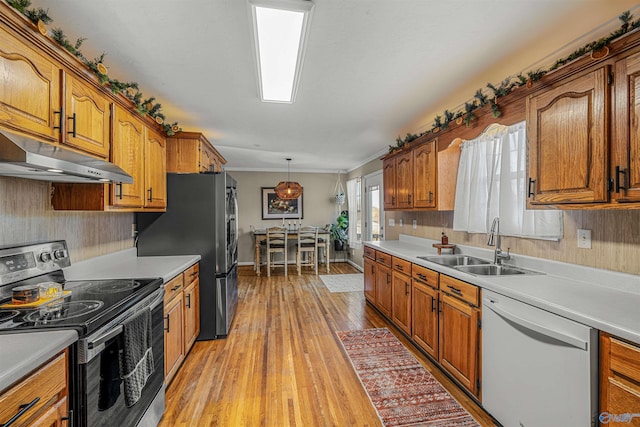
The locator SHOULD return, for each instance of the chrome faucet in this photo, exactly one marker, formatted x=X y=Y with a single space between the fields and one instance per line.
x=495 y=240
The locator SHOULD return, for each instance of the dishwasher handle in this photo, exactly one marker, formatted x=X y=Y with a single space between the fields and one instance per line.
x=567 y=339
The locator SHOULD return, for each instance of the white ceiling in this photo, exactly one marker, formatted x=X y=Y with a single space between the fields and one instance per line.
x=371 y=67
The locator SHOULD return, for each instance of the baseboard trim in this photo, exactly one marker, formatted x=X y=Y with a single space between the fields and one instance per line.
x=356 y=266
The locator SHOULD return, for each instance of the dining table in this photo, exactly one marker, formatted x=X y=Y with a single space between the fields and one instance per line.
x=260 y=235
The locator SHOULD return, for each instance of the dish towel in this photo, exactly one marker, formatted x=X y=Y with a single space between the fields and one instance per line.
x=136 y=355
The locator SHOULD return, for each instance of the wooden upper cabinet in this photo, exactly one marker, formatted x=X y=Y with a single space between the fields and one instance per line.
x=424 y=174
x=567 y=131
x=389 y=182
x=128 y=143
x=29 y=90
x=87 y=115
x=155 y=167
x=625 y=167
x=191 y=152
x=404 y=180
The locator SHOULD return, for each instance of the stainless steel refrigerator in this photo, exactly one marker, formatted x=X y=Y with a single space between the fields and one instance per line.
x=201 y=219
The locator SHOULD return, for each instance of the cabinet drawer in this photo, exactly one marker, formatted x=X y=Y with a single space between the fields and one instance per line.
x=191 y=273
x=369 y=252
x=46 y=383
x=424 y=275
x=383 y=258
x=460 y=289
x=173 y=287
x=401 y=265
x=625 y=359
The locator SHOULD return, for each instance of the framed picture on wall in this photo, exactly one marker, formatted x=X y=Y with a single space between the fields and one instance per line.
x=274 y=207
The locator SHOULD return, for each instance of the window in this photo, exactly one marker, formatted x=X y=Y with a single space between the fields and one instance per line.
x=354 y=197
x=491 y=183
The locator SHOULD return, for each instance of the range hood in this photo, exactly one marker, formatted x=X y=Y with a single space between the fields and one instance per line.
x=23 y=157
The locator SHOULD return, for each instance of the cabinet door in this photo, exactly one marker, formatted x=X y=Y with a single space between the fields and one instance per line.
x=404 y=180
x=369 y=280
x=389 y=182
x=568 y=141
x=191 y=314
x=173 y=337
x=620 y=378
x=87 y=115
x=424 y=175
x=425 y=317
x=56 y=416
x=155 y=170
x=30 y=96
x=401 y=308
x=625 y=168
x=383 y=289
x=128 y=144
x=459 y=341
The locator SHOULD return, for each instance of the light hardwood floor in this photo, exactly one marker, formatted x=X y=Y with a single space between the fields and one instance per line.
x=282 y=364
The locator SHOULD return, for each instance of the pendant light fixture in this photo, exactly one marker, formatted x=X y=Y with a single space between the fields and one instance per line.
x=287 y=190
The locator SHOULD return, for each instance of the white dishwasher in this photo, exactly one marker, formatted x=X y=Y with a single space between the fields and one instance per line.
x=538 y=369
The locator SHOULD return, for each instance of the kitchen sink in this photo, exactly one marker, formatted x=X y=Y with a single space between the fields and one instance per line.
x=494 y=270
x=455 y=260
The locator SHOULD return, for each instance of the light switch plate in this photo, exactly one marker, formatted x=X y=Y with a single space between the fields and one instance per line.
x=584 y=239
x=401 y=223
x=415 y=224
x=392 y=222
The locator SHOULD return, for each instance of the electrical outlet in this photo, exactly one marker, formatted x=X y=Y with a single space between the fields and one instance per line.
x=134 y=232
x=415 y=224
x=584 y=239
x=392 y=222
x=401 y=223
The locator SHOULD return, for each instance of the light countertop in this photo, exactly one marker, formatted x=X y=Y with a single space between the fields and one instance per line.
x=127 y=265
x=605 y=300
x=24 y=352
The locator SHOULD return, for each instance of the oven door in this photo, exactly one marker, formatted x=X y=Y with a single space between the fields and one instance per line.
x=103 y=401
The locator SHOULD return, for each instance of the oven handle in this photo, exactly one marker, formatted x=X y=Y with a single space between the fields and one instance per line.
x=106 y=337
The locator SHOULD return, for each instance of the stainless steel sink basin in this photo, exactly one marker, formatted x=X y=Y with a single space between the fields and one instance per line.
x=494 y=270
x=455 y=260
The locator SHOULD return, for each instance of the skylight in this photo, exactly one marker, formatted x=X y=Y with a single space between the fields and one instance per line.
x=280 y=30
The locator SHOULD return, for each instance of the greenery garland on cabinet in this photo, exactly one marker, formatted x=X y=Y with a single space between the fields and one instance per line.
x=597 y=49
x=41 y=18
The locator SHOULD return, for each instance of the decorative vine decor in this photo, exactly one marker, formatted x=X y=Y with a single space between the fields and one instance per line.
x=597 y=49
x=41 y=18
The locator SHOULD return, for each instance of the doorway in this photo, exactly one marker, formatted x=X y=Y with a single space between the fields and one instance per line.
x=374 y=212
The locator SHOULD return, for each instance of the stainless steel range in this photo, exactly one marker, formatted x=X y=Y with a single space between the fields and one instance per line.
x=118 y=322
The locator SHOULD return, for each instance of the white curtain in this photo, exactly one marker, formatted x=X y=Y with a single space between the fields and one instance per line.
x=352 y=199
x=492 y=183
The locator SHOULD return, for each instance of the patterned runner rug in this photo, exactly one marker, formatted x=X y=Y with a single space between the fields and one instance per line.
x=403 y=392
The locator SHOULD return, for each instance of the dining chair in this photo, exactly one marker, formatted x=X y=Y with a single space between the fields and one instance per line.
x=322 y=246
x=276 y=243
x=258 y=259
x=307 y=244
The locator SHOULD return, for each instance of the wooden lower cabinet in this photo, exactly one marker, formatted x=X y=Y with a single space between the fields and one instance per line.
x=173 y=337
x=401 y=301
x=383 y=289
x=191 y=314
x=181 y=317
x=47 y=388
x=425 y=317
x=459 y=341
x=370 y=280
x=619 y=381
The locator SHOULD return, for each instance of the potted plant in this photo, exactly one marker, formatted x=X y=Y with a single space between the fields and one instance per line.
x=339 y=231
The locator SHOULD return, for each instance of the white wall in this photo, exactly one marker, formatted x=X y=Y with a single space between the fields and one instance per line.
x=317 y=203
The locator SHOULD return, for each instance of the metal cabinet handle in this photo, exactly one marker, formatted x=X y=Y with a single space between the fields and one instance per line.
x=189 y=301
x=406 y=289
x=454 y=290
x=73 y=131
x=175 y=288
x=623 y=172
x=530 y=193
x=22 y=410
x=119 y=193
x=60 y=115
x=68 y=418
x=430 y=196
x=409 y=199
x=433 y=305
x=399 y=267
x=388 y=279
x=150 y=190
x=167 y=318
x=422 y=276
